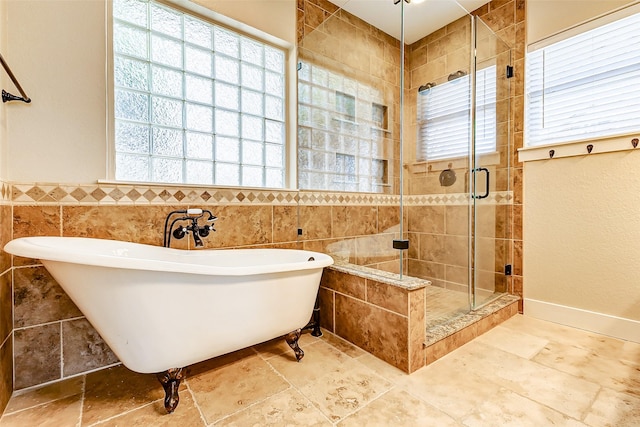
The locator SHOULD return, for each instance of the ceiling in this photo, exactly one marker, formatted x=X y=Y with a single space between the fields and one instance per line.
x=421 y=17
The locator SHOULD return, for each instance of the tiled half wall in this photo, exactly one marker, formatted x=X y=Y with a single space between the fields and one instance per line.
x=386 y=316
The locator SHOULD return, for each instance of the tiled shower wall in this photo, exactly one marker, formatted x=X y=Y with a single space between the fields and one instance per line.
x=52 y=338
x=438 y=231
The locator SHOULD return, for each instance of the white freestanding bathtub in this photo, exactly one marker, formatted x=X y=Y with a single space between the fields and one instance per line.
x=161 y=309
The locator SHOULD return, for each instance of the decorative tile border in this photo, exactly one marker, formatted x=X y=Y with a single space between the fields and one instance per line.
x=5 y=193
x=110 y=194
x=495 y=198
x=128 y=194
x=320 y=198
x=326 y=198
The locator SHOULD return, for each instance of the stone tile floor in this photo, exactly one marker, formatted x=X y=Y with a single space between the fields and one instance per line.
x=524 y=372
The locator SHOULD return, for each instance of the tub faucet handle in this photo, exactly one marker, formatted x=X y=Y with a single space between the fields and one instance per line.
x=180 y=232
x=204 y=230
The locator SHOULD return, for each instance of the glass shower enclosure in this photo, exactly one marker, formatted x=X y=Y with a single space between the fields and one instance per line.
x=405 y=130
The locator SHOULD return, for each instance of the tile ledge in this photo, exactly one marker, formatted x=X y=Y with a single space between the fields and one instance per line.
x=442 y=331
x=407 y=282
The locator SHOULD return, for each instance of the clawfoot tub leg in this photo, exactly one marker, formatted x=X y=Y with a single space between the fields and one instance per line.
x=170 y=380
x=292 y=339
x=314 y=323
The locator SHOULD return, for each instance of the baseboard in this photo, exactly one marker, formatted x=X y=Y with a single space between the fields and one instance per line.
x=605 y=324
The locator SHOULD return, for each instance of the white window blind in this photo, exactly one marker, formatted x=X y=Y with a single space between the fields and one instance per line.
x=586 y=86
x=194 y=102
x=444 y=119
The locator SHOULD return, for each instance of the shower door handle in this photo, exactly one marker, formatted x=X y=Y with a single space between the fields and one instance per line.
x=486 y=191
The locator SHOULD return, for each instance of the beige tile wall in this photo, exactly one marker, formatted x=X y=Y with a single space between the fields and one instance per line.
x=6 y=308
x=52 y=338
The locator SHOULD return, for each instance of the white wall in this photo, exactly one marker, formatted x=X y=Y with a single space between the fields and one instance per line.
x=581 y=223
x=275 y=17
x=582 y=232
x=545 y=17
x=58 y=51
x=3 y=122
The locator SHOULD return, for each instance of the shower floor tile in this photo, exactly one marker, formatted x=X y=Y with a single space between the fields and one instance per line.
x=524 y=372
x=444 y=305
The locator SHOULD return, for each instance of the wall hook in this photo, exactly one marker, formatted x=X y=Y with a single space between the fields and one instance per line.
x=634 y=142
x=551 y=153
x=589 y=148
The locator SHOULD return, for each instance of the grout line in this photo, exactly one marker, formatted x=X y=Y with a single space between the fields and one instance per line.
x=125 y=412
x=595 y=398
x=23 y=328
x=195 y=402
x=9 y=335
x=21 y=267
x=393 y=386
x=13 y=320
x=257 y=402
x=61 y=353
x=20 y=393
x=38 y=386
x=371 y=304
x=39 y=405
x=358 y=362
x=84 y=390
x=459 y=420
x=294 y=387
x=538 y=365
x=333 y=312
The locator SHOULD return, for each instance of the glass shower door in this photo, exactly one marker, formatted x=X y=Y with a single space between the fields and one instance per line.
x=490 y=169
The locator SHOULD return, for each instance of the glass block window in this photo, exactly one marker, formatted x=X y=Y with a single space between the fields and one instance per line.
x=346 y=105
x=341 y=142
x=194 y=102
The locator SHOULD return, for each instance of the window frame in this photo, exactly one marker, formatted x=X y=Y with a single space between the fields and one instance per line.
x=215 y=19
x=614 y=140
